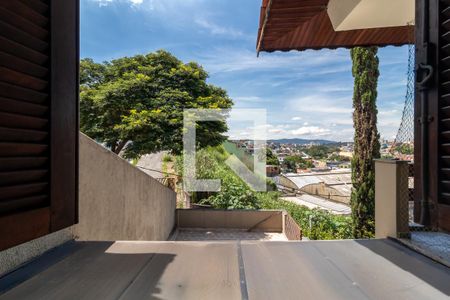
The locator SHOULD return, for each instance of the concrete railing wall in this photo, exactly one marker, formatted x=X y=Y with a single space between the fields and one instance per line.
x=117 y=201
x=255 y=220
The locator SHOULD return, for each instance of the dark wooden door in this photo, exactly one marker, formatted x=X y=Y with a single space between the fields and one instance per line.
x=433 y=49
x=38 y=118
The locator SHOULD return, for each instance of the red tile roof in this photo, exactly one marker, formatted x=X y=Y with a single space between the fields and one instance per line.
x=304 y=24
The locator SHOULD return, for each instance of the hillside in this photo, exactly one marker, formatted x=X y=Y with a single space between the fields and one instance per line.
x=302 y=141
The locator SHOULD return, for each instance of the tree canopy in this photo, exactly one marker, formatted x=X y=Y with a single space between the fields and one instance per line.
x=405 y=149
x=293 y=162
x=134 y=105
x=320 y=151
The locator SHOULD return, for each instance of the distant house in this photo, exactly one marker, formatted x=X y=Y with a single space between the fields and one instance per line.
x=348 y=154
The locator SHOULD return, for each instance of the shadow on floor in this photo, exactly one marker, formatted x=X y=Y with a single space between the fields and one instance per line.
x=433 y=273
x=87 y=271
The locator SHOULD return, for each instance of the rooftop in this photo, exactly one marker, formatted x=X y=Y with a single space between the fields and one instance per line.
x=318 y=202
x=333 y=178
x=361 y=269
x=300 y=25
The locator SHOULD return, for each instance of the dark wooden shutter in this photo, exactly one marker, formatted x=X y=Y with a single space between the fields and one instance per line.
x=438 y=105
x=38 y=118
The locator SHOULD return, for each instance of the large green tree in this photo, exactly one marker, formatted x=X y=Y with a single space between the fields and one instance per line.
x=291 y=163
x=134 y=105
x=367 y=146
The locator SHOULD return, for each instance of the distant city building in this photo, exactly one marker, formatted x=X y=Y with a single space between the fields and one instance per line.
x=348 y=154
x=333 y=185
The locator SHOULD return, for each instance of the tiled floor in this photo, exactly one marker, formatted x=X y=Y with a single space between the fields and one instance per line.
x=226 y=235
x=359 y=269
x=433 y=244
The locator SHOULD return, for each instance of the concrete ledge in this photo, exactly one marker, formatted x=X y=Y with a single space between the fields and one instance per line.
x=117 y=201
x=255 y=220
x=391 y=198
x=391 y=161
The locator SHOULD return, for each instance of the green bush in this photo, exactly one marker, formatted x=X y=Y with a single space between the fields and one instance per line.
x=234 y=193
x=167 y=158
x=316 y=224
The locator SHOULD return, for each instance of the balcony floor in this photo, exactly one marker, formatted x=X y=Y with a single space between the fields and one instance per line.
x=226 y=235
x=366 y=269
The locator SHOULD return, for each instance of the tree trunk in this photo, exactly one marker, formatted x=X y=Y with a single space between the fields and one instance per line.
x=119 y=147
x=367 y=145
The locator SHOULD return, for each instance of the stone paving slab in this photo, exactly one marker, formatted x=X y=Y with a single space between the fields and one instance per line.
x=433 y=244
x=226 y=235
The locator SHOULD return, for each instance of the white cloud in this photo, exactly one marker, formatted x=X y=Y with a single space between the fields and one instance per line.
x=170 y=6
x=250 y=99
x=216 y=29
x=338 y=121
x=296 y=119
x=229 y=59
x=277 y=131
x=102 y=3
x=310 y=130
x=281 y=131
x=391 y=112
x=322 y=103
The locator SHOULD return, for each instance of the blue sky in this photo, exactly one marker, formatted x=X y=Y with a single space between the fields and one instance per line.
x=307 y=94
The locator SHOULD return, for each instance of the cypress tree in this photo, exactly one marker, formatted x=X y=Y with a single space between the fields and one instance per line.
x=367 y=145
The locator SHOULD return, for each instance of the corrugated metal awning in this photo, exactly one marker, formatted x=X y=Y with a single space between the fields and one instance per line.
x=304 y=24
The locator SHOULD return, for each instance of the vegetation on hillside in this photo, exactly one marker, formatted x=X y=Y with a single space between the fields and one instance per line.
x=367 y=145
x=316 y=224
x=245 y=157
x=235 y=194
x=291 y=163
x=271 y=158
x=134 y=105
x=320 y=151
x=337 y=157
